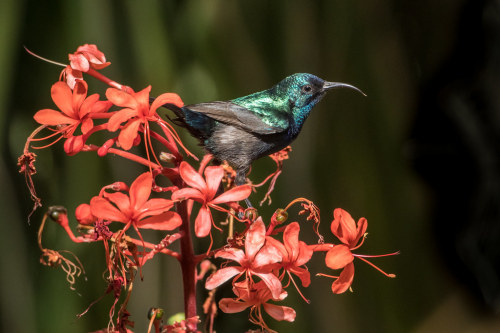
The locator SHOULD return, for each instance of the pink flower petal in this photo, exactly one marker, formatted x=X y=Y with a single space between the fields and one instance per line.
x=231 y=254
x=272 y=282
x=229 y=305
x=221 y=276
x=279 y=312
x=255 y=238
x=268 y=254
x=79 y=62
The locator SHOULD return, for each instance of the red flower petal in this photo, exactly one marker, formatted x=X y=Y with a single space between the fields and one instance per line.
x=154 y=207
x=235 y=194
x=87 y=125
x=102 y=208
x=345 y=280
x=128 y=134
x=121 y=200
x=74 y=144
x=87 y=105
x=120 y=117
x=213 y=177
x=121 y=98
x=192 y=178
x=84 y=215
x=291 y=240
x=53 y=118
x=165 y=221
x=343 y=226
x=62 y=97
x=305 y=254
x=167 y=98
x=303 y=274
x=338 y=257
x=203 y=222
x=140 y=190
x=188 y=193
x=79 y=94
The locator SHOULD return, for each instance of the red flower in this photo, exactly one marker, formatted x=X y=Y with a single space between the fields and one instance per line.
x=205 y=193
x=136 y=209
x=340 y=256
x=254 y=296
x=294 y=253
x=136 y=112
x=88 y=56
x=257 y=259
x=75 y=109
x=344 y=227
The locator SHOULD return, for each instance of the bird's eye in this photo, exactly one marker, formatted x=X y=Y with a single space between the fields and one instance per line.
x=307 y=88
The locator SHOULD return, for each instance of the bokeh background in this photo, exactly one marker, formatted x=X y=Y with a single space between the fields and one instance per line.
x=419 y=157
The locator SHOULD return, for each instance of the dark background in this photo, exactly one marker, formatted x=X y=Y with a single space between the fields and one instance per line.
x=419 y=157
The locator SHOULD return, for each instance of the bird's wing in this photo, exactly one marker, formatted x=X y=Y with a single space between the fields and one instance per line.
x=236 y=115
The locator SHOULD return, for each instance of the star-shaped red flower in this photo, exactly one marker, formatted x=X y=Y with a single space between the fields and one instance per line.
x=136 y=209
x=205 y=192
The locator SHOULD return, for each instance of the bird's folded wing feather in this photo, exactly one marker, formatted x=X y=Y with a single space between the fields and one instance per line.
x=236 y=115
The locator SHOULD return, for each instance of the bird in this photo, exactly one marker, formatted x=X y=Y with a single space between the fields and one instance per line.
x=247 y=128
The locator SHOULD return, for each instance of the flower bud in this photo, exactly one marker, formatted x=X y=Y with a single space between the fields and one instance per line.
x=84 y=215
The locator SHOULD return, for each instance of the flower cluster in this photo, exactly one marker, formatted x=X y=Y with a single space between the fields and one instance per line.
x=261 y=258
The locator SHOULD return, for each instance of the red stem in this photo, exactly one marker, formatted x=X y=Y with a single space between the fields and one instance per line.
x=187 y=260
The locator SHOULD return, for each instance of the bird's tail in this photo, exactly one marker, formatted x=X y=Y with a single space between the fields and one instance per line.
x=195 y=123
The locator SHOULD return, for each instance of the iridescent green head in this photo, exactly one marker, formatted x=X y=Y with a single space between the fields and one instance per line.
x=304 y=91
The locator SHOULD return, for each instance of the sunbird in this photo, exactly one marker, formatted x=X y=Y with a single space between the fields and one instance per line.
x=244 y=129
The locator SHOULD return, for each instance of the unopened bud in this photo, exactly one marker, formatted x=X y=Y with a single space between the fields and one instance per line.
x=54 y=212
x=281 y=215
x=157 y=312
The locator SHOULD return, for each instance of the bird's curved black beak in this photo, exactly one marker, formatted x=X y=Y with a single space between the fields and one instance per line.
x=333 y=85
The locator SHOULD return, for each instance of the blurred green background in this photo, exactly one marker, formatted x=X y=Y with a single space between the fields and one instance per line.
x=418 y=157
